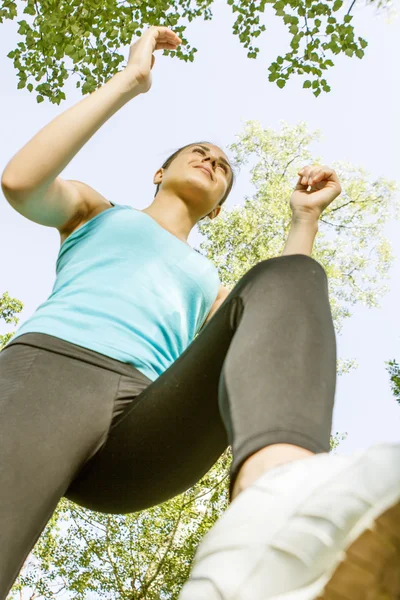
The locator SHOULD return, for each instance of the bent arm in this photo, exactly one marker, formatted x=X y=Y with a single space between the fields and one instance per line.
x=301 y=237
x=30 y=180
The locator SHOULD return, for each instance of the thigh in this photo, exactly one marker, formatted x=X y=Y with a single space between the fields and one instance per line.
x=171 y=434
x=231 y=385
x=54 y=414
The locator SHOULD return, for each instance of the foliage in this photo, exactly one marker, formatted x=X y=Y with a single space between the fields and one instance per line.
x=350 y=244
x=9 y=307
x=393 y=368
x=147 y=555
x=140 y=556
x=83 y=38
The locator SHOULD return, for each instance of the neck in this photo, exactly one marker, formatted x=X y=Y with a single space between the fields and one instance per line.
x=173 y=215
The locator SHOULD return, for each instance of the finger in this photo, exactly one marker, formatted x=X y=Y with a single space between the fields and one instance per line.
x=167 y=44
x=318 y=174
x=315 y=172
x=164 y=34
x=305 y=174
x=301 y=186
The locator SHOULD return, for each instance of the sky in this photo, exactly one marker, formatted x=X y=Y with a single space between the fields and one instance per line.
x=211 y=99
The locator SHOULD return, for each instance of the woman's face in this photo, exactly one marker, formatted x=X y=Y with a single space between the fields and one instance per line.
x=200 y=175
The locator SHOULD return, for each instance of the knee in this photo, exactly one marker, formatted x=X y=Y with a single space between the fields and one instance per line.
x=293 y=268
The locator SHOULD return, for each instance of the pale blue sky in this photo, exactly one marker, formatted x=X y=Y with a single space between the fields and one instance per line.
x=211 y=99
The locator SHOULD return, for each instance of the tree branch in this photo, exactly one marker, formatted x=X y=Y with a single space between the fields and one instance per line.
x=207 y=492
x=112 y=561
x=351 y=7
x=81 y=516
x=344 y=226
x=161 y=562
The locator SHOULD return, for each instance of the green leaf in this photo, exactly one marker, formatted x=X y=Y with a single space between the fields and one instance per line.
x=30 y=10
x=39 y=99
x=337 y=5
x=307 y=83
x=281 y=83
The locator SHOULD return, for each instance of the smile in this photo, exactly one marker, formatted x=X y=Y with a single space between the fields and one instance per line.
x=205 y=171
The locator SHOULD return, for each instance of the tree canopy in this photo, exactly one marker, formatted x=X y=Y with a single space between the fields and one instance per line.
x=9 y=308
x=393 y=368
x=82 y=39
x=350 y=243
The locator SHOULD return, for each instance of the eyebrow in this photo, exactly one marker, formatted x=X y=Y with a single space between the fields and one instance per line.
x=221 y=158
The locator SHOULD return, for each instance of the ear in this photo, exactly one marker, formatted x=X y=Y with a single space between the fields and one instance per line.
x=158 y=176
x=214 y=213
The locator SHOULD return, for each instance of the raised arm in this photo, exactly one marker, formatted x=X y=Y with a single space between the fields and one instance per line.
x=31 y=181
x=316 y=188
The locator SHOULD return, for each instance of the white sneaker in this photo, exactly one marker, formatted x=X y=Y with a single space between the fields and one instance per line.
x=324 y=527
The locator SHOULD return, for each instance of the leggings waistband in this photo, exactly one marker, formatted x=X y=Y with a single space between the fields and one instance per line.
x=60 y=346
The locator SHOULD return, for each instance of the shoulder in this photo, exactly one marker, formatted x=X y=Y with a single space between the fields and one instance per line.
x=223 y=292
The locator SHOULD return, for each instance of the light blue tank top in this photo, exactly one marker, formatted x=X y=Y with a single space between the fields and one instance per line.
x=129 y=289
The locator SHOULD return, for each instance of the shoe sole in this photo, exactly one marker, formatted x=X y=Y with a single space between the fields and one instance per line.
x=369 y=566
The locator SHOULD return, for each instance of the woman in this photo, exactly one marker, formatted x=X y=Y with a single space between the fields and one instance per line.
x=105 y=397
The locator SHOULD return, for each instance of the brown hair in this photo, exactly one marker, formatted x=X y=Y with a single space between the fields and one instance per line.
x=175 y=154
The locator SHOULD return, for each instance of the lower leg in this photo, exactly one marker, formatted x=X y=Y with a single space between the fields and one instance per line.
x=278 y=382
x=263 y=460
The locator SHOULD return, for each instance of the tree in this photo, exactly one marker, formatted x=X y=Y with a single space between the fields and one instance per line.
x=393 y=368
x=350 y=244
x=141 y=556
x=82 y=39
x=9 y=307
x=148 y=555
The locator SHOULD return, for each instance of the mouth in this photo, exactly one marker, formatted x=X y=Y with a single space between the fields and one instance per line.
x=205 y=171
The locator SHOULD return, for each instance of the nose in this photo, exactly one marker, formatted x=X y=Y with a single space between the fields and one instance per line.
x=212 y=160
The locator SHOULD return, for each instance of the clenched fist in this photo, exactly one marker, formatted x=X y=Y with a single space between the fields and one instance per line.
x=316 y=188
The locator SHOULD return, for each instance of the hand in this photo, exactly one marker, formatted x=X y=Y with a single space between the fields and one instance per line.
x=141 y=58
x=324 y=188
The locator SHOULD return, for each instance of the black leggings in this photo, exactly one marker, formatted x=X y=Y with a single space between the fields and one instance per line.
x=79 y=424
